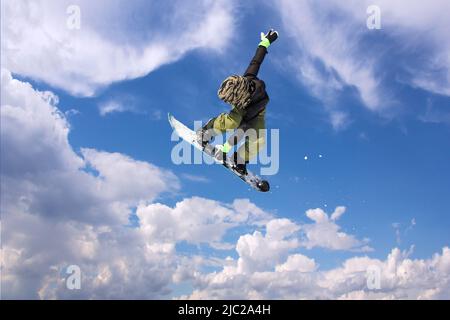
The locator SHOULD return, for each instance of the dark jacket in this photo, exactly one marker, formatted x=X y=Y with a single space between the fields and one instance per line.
x=259 y=99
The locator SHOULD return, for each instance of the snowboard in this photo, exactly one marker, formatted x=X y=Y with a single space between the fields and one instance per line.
x=190 y=136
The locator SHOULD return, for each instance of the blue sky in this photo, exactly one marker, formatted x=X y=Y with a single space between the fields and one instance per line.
x=386 y=160
x=397 y=167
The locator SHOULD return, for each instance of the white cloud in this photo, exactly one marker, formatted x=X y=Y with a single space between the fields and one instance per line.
x=121 y=177
x=299 y=278
x=434 y=114
x=112 y=106
x=248 y=212
x=401 y=231
x=258 y=252
x=325 y=56
x=325 y=233
x=115 y=262
x=422 y=25
x=331 y=50
x=317 y=215
x=115 y=42
x=339 y=120
x=59 y=208
x=196 y=220
x=195 y=178
x=338 y=212
x=42 y=171
x=33 y=114
x=127 y=103
x=297 y=263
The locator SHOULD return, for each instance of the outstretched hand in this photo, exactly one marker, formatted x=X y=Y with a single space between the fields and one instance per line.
x=268 y=38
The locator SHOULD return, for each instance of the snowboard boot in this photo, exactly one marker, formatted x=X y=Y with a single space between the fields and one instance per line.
x=241 y=168
x=205 y=134
x=239 y=164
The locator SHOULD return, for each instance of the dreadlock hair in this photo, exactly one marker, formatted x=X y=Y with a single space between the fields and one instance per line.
x=237 y=91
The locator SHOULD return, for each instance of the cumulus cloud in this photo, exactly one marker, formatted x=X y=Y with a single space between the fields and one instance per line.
x=61 y=208
x=42 y=172
x=69 y=208
x=258 y=252
x=195 y=220
x=297 y=263
x=121 y=177
x=116 y=261
x=299 y=278
x=36 y=39
x=113 y=260
x=326 y=233
x=268 y=268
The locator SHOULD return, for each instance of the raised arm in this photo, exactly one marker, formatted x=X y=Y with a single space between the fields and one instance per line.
x=255 y=64
x=261 y=51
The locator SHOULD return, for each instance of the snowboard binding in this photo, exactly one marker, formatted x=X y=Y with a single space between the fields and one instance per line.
x=231 y=163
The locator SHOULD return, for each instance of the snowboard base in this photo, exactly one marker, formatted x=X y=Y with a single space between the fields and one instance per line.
x=190 y=136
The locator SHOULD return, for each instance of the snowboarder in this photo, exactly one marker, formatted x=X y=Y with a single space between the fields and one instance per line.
x=248 y=98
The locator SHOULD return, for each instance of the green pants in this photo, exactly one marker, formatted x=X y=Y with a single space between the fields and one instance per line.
x=254 y=139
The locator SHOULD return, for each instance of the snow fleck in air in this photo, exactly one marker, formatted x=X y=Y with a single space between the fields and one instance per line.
x=320 y=156
x=306 y=158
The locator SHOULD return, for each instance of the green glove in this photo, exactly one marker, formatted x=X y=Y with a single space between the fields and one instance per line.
x=268 y=38
x=225 y=148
